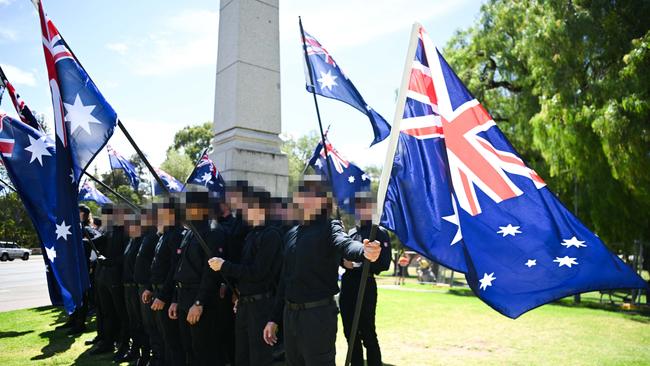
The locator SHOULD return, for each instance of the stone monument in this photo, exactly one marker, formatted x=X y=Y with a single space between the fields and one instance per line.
x=247 y=98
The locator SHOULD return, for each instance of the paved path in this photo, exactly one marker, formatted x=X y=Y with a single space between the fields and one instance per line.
x=23 y=284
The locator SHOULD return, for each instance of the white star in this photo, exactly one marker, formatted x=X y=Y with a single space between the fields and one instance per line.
x=365 y=177
x=51 y=254
x=206 y=177
x=318 y=163
x=454 y=220
x=38 y=148
x=62 y=231
x=88 y=195
x=565 y=261
x=351 y=179
x=486 y=280
x=509 y=230
x=327 y=80
x=530 y=263
x=573 y=242
x=79 y=115
x=172 y=185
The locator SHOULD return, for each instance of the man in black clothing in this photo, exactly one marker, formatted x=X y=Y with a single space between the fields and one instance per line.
x=256 y=278
x=142 y=276
x=309 y=280
x=194 y=303
x=139 y=342
x=350 y=286
x=162 y=278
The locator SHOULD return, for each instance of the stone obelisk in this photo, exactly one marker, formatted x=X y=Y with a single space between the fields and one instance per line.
x=247 y=99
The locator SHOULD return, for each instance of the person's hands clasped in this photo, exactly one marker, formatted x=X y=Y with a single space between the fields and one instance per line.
x=371 y=250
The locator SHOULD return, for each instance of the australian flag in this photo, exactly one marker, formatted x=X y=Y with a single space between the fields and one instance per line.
x=30 y=160
x=89 y=192
x=460 y=193
x=84 y=121
x=172 y=184
x=206 y=174
x=329 y=81
x=347 y=180
x=119 y=162
x=22 y=109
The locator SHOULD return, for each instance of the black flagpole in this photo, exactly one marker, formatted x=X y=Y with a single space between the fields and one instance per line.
x=131 y=204
x=8 y=185
x=320 y=123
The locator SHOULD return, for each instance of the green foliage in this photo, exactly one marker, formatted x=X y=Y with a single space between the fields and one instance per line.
x=298 y=151
x=15 y=225
x=567 y=83
x=178 y=164
x=191 y=140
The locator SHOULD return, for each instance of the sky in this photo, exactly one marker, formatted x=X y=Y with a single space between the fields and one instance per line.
x=155 y=61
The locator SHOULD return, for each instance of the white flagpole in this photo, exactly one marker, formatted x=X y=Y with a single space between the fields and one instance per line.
x=395 y=128
x=383 y=182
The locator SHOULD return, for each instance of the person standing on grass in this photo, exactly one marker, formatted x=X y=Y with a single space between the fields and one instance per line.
x=402 y=268
x=305 y=301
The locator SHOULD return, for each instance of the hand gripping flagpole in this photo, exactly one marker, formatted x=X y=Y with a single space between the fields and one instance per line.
x=320 y=123
x=383 y=183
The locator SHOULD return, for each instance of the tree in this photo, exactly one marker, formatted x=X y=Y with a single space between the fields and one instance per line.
x=298 y=151
x=15 y=224
x=177 y=164
x=192 y=140
x=567 y=83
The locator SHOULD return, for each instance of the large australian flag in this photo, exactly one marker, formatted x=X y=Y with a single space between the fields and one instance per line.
x=347 y=179
x=84 y=121
x=459 y=192
x=29 y=157
x=205 y=174
x=329 y=81
x=118 y=161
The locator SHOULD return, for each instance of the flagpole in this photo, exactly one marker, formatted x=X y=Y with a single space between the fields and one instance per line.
x=383 y=183
x=131 y=204
x=8 y=185
x=320 y=123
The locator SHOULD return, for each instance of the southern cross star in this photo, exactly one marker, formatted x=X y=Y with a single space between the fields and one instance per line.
x=327 y=80
x=38 y=148
x=453 y=218
x=565 y=261
x=351 y=179
x=573 y=242
x=509 y=230
x=62 y=231
x=486 y=280
x=51 y=254
x=530 y=263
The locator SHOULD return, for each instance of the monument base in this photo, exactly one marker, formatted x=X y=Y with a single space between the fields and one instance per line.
x=253 y=156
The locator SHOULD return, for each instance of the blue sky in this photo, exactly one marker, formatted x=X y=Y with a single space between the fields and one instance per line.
x=155 y=61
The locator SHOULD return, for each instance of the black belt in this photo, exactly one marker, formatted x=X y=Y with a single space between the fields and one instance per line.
x=157 y=287
x=310 y=305
x=252 y=298
x=130 y=284
x=189 y=286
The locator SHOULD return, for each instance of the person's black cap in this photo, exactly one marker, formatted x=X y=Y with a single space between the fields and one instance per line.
x=85 y=209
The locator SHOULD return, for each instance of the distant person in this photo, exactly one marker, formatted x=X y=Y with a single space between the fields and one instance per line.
x=402 y=268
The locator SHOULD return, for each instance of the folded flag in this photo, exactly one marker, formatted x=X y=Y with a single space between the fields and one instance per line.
x=457 y=186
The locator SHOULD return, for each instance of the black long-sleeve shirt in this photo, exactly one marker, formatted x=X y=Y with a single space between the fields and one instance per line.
x=383 y=262
x=110 y=268
x=164 y=263
x=193 y=269
x=261 y=261
x=144 y=258
x=130 y=253
x=312 y=256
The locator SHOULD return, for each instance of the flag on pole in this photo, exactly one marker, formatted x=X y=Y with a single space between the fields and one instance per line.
x=89 y=192
x=118 y=161
x=347 y=180
x=331 y=82
x=22 y=109
x=172 y=184
x=206 y=174
x=458 y=186
x=84 y=121
x=29 y=159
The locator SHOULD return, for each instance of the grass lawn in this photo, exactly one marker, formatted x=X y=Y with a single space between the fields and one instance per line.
x=415 y=328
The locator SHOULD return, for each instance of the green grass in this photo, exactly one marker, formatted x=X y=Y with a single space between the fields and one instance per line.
x=415 y=328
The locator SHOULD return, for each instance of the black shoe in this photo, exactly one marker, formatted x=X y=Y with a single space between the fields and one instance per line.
x=77 y=329
x=101 y=348
x=95 y=340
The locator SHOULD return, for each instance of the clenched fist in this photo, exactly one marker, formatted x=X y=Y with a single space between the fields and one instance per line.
x=371 y=250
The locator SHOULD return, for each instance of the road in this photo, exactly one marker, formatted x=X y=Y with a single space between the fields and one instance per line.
x=23 y=284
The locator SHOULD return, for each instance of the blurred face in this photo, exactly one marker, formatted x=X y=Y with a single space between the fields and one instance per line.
x=254 y=215
x=107 y=219
x=118 y=218
x=147 y=219
x=234 y=200
x=364 y=210
x=224 y=209
x=134 y=229
x=166 y=217
x=310 y=204
x=196 y=213
x=83 y=217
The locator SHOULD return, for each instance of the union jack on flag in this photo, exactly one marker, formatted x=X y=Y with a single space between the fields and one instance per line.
x=21 y=107
x=206 y=174
x=6 y=144
x=460 y=194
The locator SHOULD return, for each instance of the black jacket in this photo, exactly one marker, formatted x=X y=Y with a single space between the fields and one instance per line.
x=144 y=258
x=383 y=262
x=164 y=263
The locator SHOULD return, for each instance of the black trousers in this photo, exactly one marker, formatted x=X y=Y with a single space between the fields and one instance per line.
x=225 y=329
x=136 y=328
x=251 y=350
x=151 y=330
x=197 y=339
x=115 y=322
x=310 y=336
x=171 y=337
x=366 y=332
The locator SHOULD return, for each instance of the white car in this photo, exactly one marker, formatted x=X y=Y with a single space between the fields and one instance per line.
x=10 y=251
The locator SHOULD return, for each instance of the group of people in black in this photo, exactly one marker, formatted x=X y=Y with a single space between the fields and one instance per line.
x=243 y=279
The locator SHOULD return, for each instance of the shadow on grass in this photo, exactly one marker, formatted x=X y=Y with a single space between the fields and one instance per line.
x=58 y=342
x=13 y=334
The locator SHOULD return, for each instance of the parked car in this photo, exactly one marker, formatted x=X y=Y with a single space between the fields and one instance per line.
x=10 y=251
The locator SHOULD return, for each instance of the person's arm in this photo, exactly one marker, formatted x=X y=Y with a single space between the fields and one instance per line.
x=263 y=263
x=350 y=249
x=279 y=300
